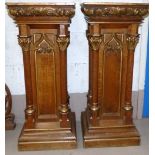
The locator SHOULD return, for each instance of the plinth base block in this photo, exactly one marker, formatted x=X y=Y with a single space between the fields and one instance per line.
x=45 y=139
x=112 y=136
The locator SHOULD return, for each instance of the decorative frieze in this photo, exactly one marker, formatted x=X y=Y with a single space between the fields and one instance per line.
x=112 y=10
x=20 y=11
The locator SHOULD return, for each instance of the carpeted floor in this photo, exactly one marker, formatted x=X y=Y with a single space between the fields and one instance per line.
x=143 y=149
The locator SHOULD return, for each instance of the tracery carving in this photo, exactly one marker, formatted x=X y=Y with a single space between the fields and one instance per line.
x=43 y=44
x=113 y=45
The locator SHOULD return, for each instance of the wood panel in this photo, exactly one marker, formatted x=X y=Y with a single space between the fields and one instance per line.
x=112 y=73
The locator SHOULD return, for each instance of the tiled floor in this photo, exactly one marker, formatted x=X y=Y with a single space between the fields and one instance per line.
x=143 y=149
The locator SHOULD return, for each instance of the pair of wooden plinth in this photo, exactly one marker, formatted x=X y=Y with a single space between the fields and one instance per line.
x=43 y=36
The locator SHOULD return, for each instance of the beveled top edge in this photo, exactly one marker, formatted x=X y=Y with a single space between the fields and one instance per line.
x=114 y=3
x=39 y=3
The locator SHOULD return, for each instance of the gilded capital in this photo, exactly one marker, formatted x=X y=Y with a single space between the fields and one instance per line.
x=24 y=42
x=94 y=42
x=132 y=41
x=63 y=42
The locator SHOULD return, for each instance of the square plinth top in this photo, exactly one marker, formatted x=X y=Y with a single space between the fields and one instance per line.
x=41 y=11
x=113 y=11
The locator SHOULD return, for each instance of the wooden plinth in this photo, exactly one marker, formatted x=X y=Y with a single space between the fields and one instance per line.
x=49 y=138
x=108 y=136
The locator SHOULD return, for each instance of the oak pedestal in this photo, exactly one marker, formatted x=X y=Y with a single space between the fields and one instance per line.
x=112 y=35
x=44 y=37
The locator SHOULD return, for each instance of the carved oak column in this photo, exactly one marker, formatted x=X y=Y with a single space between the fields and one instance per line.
x=24 y=40
x=63 y=41
x=44 y=37
x=112 y=35
x=132 y=40
x=94 y=39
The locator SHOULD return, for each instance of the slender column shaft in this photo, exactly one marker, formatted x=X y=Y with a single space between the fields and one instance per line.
x=24 y=40
x=94 y=41
x=63 y=40
x=132 y=40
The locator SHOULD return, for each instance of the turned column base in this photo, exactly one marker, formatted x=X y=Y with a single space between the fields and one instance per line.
x=48 y=138
x=108 y=136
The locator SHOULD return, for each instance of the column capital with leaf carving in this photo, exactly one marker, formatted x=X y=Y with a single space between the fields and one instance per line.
x=132 y=41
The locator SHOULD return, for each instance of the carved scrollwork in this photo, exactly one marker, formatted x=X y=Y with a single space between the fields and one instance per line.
x=63 y=42
x=114 y=11
x=94 y=42
x=24 y=42
x=41 y=11
x=132 y=41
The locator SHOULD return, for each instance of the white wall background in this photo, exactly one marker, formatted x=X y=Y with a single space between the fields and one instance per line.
x=77 y=52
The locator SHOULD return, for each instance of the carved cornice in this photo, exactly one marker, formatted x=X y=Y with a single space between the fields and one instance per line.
x=132 y=41
x=114 y=10
x=63 y=42
x=94 y=42
x=24 y=42
x=17 y=11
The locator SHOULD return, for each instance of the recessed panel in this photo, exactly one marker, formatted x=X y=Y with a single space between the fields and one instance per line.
x=44 y=55
x=111 y=74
